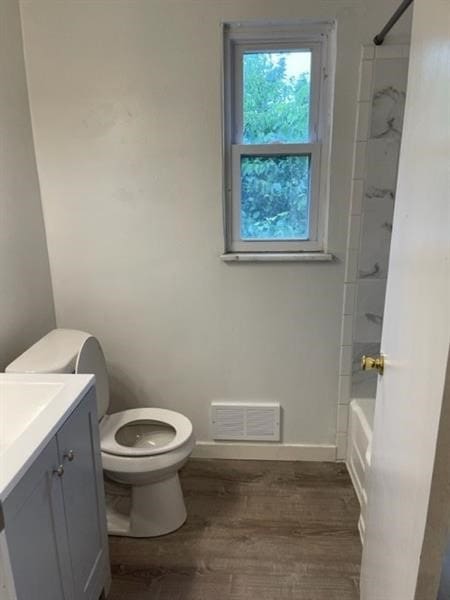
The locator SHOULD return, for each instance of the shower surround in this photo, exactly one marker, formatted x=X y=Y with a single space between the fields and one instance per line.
x=381 y=100
x=385 y=122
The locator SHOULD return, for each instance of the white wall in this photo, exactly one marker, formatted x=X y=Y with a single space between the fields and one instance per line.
x=26 y=303
x=126 y=113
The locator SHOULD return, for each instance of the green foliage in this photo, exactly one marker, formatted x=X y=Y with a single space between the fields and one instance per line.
x=274 y=197
x=276 y=107
x=274 y=202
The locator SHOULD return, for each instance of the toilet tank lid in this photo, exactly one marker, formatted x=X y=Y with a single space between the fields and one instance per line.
x=54 y=353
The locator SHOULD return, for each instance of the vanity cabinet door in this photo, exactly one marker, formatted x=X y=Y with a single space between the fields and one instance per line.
x=84 y=502
x=36 y=533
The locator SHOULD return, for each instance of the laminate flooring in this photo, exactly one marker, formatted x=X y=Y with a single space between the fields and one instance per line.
x=256 y=530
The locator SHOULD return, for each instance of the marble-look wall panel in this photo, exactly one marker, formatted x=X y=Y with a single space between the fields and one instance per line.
x=376 y=233
x=369 y=310
x=380 y=179
x=389 y=92
x=381 y=165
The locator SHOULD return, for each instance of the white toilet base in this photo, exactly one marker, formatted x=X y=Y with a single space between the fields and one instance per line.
x=154 y=509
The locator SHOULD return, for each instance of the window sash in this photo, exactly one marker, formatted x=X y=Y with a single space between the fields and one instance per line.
x=239 y=49
x=313 y=242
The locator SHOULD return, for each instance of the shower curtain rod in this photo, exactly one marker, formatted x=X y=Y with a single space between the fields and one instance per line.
x=379 y=39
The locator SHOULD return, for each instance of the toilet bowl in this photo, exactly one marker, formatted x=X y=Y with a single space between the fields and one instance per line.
x=142 y=448
x=145 y=448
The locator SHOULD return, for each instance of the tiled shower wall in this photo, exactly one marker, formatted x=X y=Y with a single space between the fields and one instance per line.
x=386 y=104
x=382 y=91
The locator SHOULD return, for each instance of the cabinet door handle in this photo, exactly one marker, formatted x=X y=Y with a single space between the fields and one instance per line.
x=59 y=471
x=69 y=455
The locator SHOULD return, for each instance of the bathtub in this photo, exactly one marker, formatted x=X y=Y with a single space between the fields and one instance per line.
x=358 y=451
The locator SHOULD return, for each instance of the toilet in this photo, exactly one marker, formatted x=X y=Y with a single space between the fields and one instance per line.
x=143 y=448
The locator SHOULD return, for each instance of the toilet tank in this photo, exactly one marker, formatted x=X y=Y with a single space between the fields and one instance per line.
x=56 y=352
x=67 y=351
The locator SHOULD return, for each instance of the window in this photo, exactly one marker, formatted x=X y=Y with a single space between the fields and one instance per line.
x=276 y=135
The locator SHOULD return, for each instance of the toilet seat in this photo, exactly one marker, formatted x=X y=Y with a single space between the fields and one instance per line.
x=110 y=425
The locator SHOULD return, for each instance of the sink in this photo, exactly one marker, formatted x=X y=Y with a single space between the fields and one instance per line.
x=20 y=403
x=32 y=408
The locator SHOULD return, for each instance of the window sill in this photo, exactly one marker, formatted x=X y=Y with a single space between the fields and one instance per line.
x=277 y=257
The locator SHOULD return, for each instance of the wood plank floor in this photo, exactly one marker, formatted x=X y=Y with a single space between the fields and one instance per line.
x=256 y=530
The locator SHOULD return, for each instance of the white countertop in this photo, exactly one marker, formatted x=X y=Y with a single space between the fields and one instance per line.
x=32 y=409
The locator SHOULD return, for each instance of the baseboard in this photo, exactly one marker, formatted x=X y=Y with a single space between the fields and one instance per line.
x=231 y=450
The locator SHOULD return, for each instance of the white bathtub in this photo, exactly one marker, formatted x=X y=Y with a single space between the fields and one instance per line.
x=358 y=450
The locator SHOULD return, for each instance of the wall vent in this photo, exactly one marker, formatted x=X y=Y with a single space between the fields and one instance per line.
x=257 y=421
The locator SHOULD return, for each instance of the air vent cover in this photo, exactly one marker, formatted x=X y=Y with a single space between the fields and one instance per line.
x=245 y=421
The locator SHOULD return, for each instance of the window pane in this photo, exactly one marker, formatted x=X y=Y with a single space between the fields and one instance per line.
x=276 y=96
x=275 y=197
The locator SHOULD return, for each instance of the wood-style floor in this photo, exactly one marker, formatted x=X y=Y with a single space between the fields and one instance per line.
x=256 y=530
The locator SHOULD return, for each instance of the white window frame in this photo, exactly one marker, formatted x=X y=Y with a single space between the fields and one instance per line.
x=242 y=38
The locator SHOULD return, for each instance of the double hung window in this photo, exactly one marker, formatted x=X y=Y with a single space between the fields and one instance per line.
x=276 y=137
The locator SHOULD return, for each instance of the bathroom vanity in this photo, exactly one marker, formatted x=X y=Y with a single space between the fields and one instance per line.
x=53 y=541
